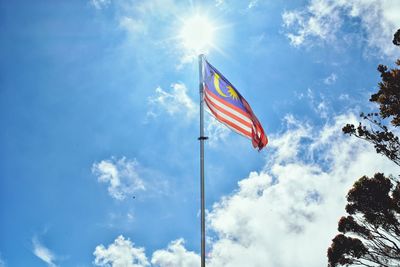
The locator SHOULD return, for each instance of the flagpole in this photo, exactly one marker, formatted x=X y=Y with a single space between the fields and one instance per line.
x=202 y=138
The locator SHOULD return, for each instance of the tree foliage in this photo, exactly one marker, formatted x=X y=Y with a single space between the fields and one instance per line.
x=396 y=38
x=370 y=233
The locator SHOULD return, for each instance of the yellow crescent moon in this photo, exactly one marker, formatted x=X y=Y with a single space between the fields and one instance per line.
x=216 y=85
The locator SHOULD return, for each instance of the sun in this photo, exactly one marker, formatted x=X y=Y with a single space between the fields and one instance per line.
x=197 y=34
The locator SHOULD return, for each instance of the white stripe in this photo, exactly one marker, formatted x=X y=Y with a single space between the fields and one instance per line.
x=230 y=119
x=227 y=125
x=216 y=102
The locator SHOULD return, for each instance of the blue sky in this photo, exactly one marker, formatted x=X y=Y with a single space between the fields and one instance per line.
x=99 y=103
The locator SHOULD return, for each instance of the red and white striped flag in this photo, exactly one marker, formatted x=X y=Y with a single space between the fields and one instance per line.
x=228 y=106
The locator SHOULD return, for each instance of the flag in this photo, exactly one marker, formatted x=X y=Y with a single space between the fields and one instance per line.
x=228 y=106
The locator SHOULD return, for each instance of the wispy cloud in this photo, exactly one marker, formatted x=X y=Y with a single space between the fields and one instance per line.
x=122 y=221
x=331 y=79
x=121 y=175
x=178 y=102
x=215 y=131
x=175 y=101
x=252 y=3
x=320 y=19
x=323 y=20
x=258 y=44
x=133 y=26
x=43 y=253
x=2 y=262
x=318 y=104
x=344 y=97
x=237 y=5
x=158 y=19
x=219 y=2
x=99 y=4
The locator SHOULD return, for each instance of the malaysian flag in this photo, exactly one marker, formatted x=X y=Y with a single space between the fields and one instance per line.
x=228 y=106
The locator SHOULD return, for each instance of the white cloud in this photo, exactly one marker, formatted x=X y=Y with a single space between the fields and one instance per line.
x=174 y=102
x=286 y=214
x=43 y=253
x=99 y=4
x=132 y=25
x=175 y=255
x=252 y=3
x=121 y=253
x=322 y=19
x=121 y=174
x=331 y=79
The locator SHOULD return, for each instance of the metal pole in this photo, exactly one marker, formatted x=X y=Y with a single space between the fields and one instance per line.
x=202 y=138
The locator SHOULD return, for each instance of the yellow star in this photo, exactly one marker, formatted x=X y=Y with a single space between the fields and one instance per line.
x=232 y=92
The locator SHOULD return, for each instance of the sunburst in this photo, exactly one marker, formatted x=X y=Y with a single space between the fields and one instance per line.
x=232 y=92
x=197 y=34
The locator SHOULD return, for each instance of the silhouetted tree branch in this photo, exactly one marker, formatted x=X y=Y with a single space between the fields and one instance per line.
x=388 y=99
x=384 y=141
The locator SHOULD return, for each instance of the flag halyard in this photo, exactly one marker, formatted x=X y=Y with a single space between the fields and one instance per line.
x=229 y=107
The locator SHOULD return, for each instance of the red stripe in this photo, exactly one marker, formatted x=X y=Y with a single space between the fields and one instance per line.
x=228 y=123
x=246 y=123
x=208 y=91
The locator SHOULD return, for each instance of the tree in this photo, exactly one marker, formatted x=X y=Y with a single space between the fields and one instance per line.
x=370 y=233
